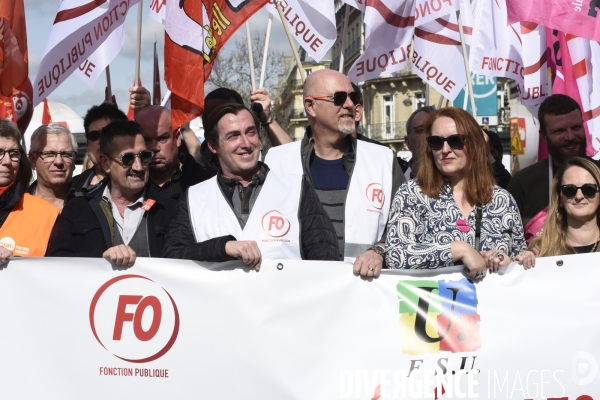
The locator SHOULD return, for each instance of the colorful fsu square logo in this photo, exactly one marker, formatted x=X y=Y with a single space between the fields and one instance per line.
x=438 y=316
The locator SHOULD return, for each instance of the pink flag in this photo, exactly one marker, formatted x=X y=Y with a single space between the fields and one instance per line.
x=577 y=17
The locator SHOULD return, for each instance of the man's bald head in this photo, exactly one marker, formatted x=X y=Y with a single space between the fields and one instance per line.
x=159 y=137
x=151 y=116
x=319 y=80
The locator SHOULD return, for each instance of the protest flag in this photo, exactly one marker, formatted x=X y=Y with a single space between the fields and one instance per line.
x=46 y=117
x=13 y=46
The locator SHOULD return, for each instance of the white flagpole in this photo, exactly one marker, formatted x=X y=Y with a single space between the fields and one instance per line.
x=344 y=35
x=266 y=52
x=138 y=51
x=466 y=60
x=250 y=58
x=291 y=40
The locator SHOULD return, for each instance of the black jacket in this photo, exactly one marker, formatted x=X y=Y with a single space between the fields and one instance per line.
x=188 y=175
x=318 y=240
x=82 y=229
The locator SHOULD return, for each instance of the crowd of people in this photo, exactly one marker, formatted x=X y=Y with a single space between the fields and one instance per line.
x=151 y=191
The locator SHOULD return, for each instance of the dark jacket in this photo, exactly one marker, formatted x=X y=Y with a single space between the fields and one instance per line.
x=189 y=174
x=318 y=240
x=82 y=229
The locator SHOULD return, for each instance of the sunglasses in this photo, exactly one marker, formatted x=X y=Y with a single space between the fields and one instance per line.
x=454 y=141
x=92 y=136
x=588 y=190
x=339 y=98
x=127 y=159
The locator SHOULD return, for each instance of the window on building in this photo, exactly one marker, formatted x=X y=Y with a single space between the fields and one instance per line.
x=388 y=117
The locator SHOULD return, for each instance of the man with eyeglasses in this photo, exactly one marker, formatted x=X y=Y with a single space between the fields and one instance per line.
x=170 y=172
x=355 y=180
x=124 y=219
x=96 y=118
x=52 y=154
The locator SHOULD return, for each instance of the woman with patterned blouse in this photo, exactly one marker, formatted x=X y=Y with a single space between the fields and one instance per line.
x=453 y=213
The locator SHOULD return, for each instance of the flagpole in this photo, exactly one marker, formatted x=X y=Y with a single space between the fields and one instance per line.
x=250 y=58
x=440 y=102
x=466 y=60
x=266 y=51
x=344 y=35
x=138 y=50
x=108 y=86
x=426 y=94
x=291 y=40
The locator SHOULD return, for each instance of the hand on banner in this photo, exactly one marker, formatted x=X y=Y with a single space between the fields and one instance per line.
x=245 y=250
x=112 y=100
x=4 y=255
x=120 y=255
x=262 y=96
x=368 y=264
x=526 y=259
x=495 y=259
x=139 y=97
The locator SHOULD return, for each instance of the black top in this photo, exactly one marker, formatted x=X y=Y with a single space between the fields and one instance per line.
x=586 y=249
x=186 y=175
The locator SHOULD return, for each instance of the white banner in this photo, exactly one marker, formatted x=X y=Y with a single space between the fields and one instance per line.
x=91 y=69
x=311 y=22
x=80 y=27
x=170 y=329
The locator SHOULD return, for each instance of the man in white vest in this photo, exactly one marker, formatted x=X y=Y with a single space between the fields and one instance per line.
x=247 y=212
x=355 y=180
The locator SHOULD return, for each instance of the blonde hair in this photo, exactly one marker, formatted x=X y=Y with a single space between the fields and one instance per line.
x=553 y=240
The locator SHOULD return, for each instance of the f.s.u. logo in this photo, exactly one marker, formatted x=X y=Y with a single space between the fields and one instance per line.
x=134 y=318
x=438 y=316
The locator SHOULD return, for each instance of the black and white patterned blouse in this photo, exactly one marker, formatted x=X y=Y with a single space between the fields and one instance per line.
x=421 y=229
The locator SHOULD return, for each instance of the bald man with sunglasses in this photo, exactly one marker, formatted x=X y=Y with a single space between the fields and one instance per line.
x=355 y=180
x=125 y=218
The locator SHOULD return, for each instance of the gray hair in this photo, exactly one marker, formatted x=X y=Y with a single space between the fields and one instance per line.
x=9 y=130
x=426 y=109
x=52 y=128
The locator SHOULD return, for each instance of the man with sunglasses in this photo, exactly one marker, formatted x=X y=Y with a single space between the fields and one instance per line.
x=124 y=219
x=96 y=118
x=170 y=172
x=52 y=154
x=355 y=180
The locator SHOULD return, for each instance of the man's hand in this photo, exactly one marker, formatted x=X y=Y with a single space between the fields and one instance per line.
x=368 y=264
x=139 y=97
x=245 y=250
x=120 y=255
x=4 y=254
x=261 y=96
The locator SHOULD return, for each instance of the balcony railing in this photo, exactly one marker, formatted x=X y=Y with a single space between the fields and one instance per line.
x=390 y=131
x=352 y=49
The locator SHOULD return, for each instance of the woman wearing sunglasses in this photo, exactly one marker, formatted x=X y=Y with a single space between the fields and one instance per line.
x=572 y=224
x=453 y=213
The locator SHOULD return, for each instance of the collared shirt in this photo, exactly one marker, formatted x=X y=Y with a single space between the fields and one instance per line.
x=421 y=229
x=134 y=213
x=242 y=203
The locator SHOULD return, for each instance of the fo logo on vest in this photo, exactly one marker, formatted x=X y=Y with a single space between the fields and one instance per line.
x=375 y=195
x=134 y=318
x=275 y=224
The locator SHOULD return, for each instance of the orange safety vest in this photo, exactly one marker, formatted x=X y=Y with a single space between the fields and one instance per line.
x=27 y=229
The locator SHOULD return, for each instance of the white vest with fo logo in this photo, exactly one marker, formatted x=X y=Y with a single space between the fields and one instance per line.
x=369 y=192
x=273 y=222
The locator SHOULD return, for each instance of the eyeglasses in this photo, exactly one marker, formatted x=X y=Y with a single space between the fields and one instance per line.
x=127 y=159
x=588 y=190
x=14 y=155
x=92 y=136
x=339 y=98
x=454 y=141
x=50 y=156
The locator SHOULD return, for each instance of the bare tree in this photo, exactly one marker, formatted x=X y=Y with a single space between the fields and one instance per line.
x=233 y=70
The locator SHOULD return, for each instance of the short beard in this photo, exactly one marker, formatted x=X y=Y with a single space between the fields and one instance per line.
x=346 y=130
x=160 y=170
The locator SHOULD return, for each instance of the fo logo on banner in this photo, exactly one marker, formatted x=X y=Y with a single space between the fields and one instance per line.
x=275 y=224
x=134 y=318
x=438 y=316
x=375 y=195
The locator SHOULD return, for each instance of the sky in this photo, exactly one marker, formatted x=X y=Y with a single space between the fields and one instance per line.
x=79 y=96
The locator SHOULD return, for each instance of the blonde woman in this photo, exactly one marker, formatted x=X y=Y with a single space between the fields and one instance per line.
x=572 y=224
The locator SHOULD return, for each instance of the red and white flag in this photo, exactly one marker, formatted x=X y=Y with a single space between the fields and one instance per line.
x=516 y=51
x=90 y=70
x=389 y=27
x=13 y=46
x=437 y=53
x=158 y=10
x=430 y=10
x=311 y=22
x=193 y=37
x=80 y=27
x=46 y=117
x=577 y=17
